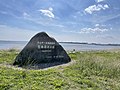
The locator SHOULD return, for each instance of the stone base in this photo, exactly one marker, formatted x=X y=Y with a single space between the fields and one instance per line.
x=42 y=65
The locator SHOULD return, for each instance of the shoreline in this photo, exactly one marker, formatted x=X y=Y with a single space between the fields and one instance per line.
x=70 y=51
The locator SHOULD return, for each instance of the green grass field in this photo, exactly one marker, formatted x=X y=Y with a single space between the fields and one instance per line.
x=91 y=70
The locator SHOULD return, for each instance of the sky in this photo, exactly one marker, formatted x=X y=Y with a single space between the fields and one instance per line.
x=92 y=21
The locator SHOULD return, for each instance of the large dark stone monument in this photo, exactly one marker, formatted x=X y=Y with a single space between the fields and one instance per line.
x=42 y=51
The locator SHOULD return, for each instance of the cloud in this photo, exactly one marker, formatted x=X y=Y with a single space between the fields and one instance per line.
x=99 y=1
x=93 y=30
x=97 y=25
x=51 y=9
x=100 y=25
x=106 y=6
x=106 y=38
x=48 y=12
x=106 y=18
x=15 y=33
x=96 y=29
x=3 y=12
x=25 y=15
x=94 y=8
x=49 y=23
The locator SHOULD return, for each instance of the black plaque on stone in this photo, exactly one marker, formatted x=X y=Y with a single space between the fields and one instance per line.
x=42 y=51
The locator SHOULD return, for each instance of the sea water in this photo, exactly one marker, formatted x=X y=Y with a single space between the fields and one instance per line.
x=67 y=46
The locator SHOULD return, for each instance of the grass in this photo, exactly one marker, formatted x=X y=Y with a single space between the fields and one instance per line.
x=92 y=70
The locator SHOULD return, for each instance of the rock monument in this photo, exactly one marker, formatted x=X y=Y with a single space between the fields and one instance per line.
x=42 y=51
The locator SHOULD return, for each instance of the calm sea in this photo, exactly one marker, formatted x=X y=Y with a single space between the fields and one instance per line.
x=67 y=47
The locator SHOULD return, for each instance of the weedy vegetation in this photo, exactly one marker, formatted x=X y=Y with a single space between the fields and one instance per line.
x=92 y=70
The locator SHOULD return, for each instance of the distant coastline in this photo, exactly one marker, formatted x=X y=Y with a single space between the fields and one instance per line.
x=109 y=44
x=11 y=41
x=91 y=43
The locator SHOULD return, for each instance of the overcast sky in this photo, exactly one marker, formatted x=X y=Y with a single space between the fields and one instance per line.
x=66 y=20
